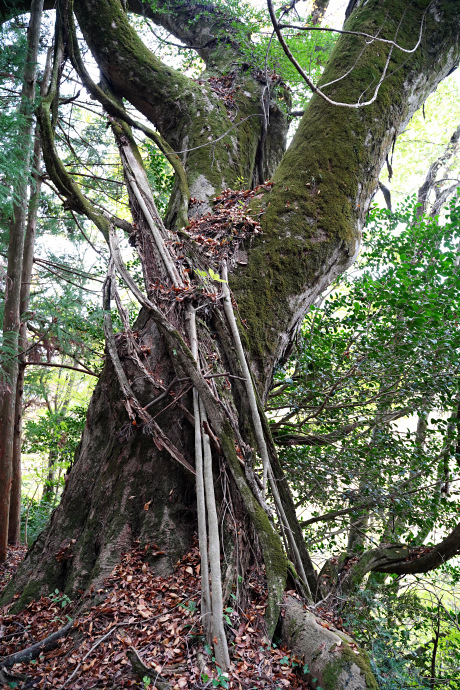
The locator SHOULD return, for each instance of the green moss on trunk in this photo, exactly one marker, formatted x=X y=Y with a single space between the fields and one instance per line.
x=274 y=558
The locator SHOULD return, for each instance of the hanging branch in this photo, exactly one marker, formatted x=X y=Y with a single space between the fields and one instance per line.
x=59 y=175
x=206 y=498
x=178 y=348
x=115 y=110
x=258 y=430
x=137 y=180
x=218 y=632
x=133 y=350
x=292 y=542
x=371 y=37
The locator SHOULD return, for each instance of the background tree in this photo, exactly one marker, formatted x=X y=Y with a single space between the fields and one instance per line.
x=11 y=314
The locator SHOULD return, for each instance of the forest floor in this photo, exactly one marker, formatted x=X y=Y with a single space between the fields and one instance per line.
x=140 y=630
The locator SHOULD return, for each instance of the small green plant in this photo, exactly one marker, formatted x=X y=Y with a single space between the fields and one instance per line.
x=146 y=681
x=35 y=515
x=189 y=606
x=60 y=599
x=222 y=679
x=210 y=274
x=227 y=614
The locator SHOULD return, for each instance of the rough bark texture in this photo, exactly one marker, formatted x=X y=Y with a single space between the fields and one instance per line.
x=118 y=471
x=311 y=228
x=325 y=183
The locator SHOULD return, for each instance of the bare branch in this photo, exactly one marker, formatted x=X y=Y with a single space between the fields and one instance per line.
x=431 y=183
x=62 y=366
x=371 y=37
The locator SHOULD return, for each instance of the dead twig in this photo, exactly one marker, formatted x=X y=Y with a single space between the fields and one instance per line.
x=123 y=624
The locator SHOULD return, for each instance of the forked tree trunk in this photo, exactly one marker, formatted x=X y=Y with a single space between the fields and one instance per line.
x=124 y=485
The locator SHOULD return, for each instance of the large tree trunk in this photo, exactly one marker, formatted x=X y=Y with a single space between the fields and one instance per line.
x=124 y=485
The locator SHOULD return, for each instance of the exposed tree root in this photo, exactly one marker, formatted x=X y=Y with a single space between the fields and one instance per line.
x=142 y=670
x=34 y=650
x=331 y=656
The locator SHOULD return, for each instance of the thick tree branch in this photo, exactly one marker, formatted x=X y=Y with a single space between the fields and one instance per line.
x=209 y=29
x=424 y=562
x=205 y=27
x=311 y=228
x=159 y=92
x=399 y=559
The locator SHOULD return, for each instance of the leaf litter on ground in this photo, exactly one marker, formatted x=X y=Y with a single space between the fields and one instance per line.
x=159 y=618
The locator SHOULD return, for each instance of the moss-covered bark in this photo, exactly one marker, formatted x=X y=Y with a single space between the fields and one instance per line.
x=314 y=213
x=332 y=659
x=311 y=221
x=217 y=150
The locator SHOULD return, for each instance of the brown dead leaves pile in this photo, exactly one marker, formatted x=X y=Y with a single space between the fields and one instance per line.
x=15 y=556
x=159 y=617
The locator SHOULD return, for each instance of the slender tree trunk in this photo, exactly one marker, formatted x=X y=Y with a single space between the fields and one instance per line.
x=437 y=631
x=12 y=320
x=14 y=528
x=59 y=410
